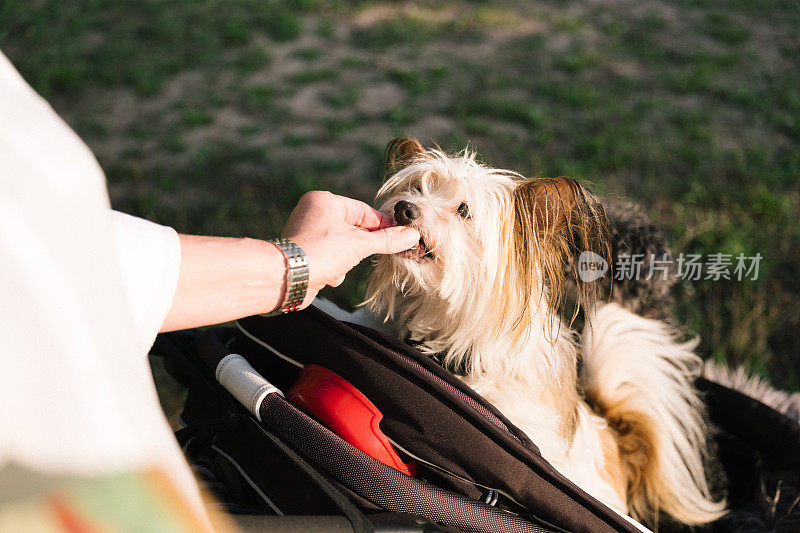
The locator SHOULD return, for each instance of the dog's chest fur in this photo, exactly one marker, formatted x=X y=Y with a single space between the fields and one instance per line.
x=535 y=385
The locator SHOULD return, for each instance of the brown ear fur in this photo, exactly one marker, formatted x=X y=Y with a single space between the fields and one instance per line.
x=555 y=219
x=400 y=152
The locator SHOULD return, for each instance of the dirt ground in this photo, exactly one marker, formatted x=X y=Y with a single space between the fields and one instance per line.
x=215 y=117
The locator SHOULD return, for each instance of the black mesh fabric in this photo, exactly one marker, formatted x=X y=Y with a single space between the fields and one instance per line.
x=426 y=407
x=381 y=484
x=433 y=415
x=431 y=421
x=490 y=416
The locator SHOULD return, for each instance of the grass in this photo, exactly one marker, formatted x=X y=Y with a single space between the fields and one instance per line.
x=335 y=126
x=259 y=98
x=398 y=31
x=503 y=109
x=343 y=97
x=215 y=120
x=313 y=76
x=250 y=60
x=307 y=54
x=419 y=82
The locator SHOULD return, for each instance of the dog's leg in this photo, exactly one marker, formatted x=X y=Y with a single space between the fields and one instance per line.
x=639 y=377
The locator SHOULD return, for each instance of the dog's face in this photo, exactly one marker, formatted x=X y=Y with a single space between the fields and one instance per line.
x=459 y=208
x=492 y=242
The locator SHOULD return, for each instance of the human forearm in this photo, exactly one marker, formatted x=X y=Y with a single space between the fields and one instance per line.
x=222 y=279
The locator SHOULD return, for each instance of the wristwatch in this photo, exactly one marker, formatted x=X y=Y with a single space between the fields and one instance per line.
x=296 y=276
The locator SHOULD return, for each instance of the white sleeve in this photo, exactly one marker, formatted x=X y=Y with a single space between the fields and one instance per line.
x=149 y=256
x=82 y=294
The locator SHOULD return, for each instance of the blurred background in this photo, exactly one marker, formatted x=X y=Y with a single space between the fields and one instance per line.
x=215 y=116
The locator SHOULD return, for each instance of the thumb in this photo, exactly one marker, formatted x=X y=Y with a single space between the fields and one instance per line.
x=391 y=240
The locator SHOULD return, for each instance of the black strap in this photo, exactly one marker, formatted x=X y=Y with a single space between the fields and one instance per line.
x=181 y=349
x=381 y=484
x=357 y=519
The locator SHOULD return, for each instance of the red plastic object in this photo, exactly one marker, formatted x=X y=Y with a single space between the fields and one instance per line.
x=336 y=403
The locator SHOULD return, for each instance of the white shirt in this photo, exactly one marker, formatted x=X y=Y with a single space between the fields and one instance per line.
x=83 y=292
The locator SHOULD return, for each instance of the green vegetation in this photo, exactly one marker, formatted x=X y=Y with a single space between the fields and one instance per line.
x=215 y=117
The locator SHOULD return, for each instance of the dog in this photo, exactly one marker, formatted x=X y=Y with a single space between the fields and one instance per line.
x=483 y=292
x=634 y=234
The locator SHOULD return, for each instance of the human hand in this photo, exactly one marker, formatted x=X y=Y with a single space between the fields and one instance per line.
x=336 y=233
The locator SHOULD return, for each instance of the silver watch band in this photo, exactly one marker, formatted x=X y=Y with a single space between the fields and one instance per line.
x=296 y=276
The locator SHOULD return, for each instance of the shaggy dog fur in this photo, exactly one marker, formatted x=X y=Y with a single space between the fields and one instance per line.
x=483 y=292
x=775 y=506
x=634 y=234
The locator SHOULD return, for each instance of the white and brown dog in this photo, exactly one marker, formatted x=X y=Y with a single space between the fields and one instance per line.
x=483 y=293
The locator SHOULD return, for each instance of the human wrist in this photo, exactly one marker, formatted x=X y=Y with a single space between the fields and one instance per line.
x=268 y=274
x=296 y=276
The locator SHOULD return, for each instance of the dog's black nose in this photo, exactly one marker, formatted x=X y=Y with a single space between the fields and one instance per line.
x=405 y=212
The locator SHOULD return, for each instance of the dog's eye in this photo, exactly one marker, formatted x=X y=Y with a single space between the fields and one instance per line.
x=463 y=210
x=417 y=188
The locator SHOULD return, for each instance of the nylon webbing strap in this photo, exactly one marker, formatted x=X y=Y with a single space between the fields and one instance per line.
x=379 y=483
x=357 y=520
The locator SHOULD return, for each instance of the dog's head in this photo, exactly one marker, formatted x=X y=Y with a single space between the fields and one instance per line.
x=495 y=247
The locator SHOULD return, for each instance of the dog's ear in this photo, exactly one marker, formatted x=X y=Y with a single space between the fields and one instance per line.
x=400 y=152
x=556 y=220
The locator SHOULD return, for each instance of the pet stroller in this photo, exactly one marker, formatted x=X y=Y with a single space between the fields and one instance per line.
x=440 y=458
